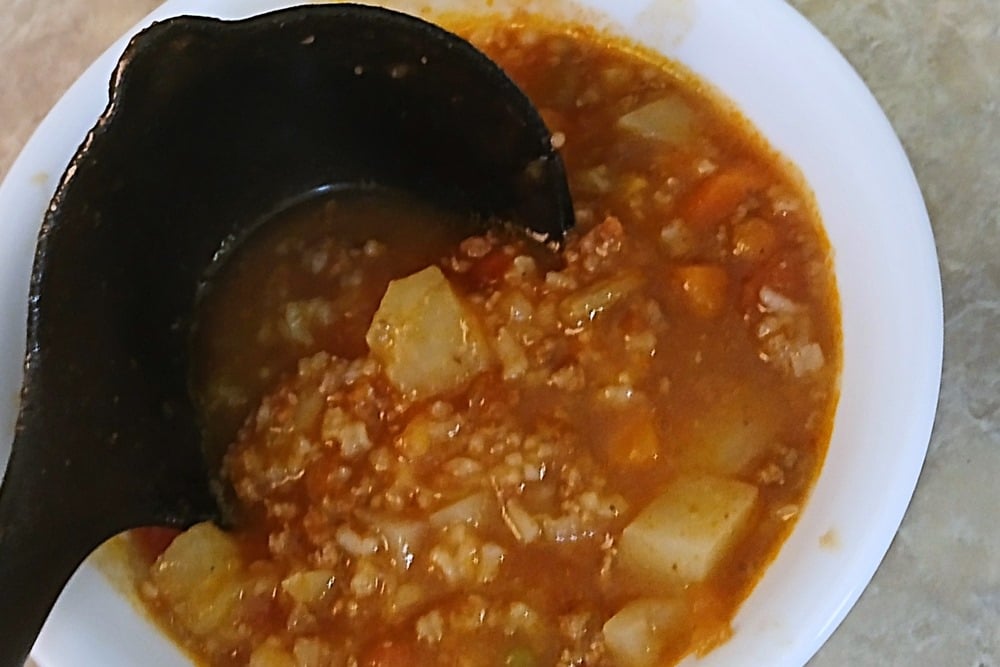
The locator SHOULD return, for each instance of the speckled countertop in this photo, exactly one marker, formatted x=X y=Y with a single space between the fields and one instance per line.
x=934 y=65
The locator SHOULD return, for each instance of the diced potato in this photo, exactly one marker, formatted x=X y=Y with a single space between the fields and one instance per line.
x=403 y=537
x=727 y=448
x=583 y=306
x=427 y=339
x=198 y=553
x=641 y=634
x=308 y=586
x=728 y=439
x=668 y=119
x=199 y=576
x=682 y=535
x=470 y=510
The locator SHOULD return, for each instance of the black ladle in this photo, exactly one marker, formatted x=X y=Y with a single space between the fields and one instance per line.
x=210 y=125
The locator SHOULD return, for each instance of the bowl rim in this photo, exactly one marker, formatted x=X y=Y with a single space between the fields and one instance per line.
x=827 y=123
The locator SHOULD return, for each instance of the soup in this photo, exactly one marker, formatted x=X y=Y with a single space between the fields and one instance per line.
x=471 y=450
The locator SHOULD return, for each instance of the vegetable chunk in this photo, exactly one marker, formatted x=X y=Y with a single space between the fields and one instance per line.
x=716 y=198
x=683 y=534
x=640 y=633
x=200 y=577
x=668 y=119
x=426 y=338
x=633 y=439
x=703 y=288
x=731 y=435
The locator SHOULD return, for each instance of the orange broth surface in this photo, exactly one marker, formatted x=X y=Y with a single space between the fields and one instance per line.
x=609 y=444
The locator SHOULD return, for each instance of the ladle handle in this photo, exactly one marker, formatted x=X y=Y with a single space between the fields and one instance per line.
x=44 y=536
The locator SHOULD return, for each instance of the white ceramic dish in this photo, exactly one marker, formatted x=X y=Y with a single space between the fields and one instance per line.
x=811 y=106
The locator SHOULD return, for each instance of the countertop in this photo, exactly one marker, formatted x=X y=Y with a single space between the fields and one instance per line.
x=934 y=65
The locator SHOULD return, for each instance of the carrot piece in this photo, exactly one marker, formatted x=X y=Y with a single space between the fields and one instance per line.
x=716 y=198
x=754 y=239
x=704 y=288
x=633 y=440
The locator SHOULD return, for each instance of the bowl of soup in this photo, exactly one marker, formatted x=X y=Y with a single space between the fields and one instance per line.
x=686 y=434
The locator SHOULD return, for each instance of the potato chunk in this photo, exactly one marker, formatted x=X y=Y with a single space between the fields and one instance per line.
x=683 y=534
x=584 y=305
x=641 y=633
x=728 y=438
x=667 y=119
x=427 y=339
x=200 y=577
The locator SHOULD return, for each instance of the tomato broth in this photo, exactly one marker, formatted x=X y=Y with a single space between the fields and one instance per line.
x=472 y=450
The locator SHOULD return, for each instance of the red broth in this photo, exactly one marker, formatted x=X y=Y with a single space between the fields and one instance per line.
x=467 y=451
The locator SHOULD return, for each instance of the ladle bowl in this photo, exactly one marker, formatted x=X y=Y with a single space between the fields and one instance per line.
x=210 y=125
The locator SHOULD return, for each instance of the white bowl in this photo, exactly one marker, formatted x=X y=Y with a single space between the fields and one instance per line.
x=809 y=103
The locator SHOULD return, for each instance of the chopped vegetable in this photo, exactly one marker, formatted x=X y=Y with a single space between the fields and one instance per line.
x=199 y=576
x=729 y=437
x=641 y=633
x=716 y=198
x=403 y=538
x=703 y=287
x=684 y=533
x=308 y=586
x=425 y=336
x=582 y=307
x=668 y=119
x=470 y=510
x=754 y=239
x=633 y=440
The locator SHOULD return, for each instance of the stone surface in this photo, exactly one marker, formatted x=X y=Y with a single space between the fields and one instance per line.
x=934 y=65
